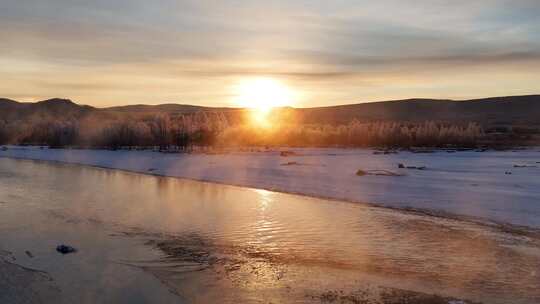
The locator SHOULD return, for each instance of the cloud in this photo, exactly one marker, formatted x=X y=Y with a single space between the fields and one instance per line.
x=192 y=44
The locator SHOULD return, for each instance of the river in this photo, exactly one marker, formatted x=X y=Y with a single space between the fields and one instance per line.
x=149 y=239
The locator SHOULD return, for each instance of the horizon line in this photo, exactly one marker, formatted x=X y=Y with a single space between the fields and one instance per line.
x=240 y=108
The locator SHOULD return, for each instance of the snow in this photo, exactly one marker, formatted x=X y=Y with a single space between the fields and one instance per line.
x=463 y=183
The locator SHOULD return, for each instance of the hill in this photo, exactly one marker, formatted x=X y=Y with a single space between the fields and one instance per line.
x=499 y=110
x=509 y=110
x=168 y=107
x=60 y=108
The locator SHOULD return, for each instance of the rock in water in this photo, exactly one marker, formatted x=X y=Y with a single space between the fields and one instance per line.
x=361 y=172
x=65 y=249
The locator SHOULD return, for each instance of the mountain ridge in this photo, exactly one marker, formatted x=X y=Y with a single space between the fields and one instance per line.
x=521 y=109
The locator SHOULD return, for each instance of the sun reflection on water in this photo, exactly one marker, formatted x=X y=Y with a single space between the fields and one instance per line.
x=265 y=198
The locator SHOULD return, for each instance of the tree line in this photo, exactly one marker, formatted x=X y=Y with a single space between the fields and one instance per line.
x=212 y=129
x=162 y=131
x=358 y=134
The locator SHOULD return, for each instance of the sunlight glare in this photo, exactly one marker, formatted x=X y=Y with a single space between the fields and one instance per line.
x=263 y=94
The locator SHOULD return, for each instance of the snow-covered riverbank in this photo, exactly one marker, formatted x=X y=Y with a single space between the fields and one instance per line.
x=502 y=186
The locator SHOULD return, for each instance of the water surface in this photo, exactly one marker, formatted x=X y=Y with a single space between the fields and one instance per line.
x=153 y=239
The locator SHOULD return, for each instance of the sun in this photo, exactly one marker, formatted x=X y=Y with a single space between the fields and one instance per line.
x=262 y=94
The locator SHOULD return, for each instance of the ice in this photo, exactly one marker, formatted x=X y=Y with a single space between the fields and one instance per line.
x=465 y=183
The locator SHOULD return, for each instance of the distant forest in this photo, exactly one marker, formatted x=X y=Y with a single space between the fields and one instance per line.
x=61 y=123
x=189 y=131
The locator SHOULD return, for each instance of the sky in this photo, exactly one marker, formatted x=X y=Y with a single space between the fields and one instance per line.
x=107 y=53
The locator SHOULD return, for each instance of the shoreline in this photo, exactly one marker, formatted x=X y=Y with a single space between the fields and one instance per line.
x=158 y=251
x=64 y=157
x=501 y=226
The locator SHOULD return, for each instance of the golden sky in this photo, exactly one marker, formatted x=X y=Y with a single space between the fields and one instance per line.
x=106 y=53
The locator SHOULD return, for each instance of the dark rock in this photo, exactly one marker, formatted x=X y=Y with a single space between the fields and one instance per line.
x=401 y=166
x=417 y=167
x=287 y=153
x=525 y=166
x=361 y=172
x=65 y=249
